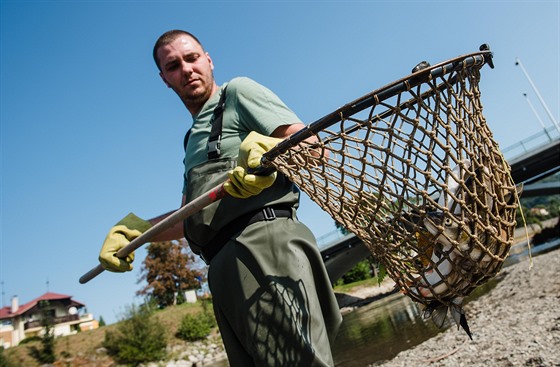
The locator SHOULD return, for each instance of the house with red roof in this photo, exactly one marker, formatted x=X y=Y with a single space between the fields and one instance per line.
x=18 y=322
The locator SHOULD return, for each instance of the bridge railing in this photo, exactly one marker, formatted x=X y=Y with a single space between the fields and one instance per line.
x=530 y=143
x=329 y=237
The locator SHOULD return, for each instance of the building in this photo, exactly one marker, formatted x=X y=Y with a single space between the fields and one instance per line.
x=20 y=322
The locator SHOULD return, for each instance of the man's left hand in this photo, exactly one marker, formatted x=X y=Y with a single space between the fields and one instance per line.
x=243 y=185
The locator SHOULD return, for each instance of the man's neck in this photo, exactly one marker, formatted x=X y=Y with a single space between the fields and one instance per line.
x=194 y=107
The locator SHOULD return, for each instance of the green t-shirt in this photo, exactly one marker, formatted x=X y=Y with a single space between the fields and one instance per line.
x=249 y=107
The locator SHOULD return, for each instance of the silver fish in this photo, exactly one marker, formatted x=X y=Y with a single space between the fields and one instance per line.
x=463 y=244
x=447 y=231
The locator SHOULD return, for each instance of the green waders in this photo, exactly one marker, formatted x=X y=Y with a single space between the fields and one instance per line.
x=272 y=297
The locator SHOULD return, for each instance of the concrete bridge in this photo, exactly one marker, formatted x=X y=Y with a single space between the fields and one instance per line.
x=531 y=160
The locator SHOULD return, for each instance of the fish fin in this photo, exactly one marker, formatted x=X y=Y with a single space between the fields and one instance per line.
x=459 y=316
x=456 y=313
x=427 y=310
x=509 y=198
x=519 y=189
x=438 y=315
x=465 y=325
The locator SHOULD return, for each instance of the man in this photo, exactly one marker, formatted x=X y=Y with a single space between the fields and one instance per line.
x=271 y=294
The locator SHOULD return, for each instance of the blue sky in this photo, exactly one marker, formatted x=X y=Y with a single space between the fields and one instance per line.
x=89 y=132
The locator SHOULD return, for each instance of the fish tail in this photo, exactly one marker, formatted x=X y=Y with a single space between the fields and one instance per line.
x=461 y=319
x=465 y=326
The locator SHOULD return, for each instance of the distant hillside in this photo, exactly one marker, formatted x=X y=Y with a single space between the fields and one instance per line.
x=84 y=349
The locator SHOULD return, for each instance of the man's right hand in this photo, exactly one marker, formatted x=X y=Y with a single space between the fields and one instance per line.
x=126 y=230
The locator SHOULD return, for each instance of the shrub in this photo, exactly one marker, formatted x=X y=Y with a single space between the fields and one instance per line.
x=360 y=271
x=139 y=338
x=196 y=326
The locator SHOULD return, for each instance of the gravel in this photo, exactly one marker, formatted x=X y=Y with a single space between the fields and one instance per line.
x=516 y=324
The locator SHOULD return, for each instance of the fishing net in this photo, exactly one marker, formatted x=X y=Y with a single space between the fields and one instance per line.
x=413 y=171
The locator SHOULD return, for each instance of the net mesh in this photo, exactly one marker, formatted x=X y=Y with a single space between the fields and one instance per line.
x=419 y=179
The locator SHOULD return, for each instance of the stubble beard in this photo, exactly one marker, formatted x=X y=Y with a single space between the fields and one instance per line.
x=197 y=98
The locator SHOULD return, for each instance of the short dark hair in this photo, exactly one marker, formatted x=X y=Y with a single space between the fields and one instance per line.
x=169 y=37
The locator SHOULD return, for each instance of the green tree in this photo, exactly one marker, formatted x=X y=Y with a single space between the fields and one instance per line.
x=170 y=268
x=45 y=354
x=101 y=321
x=139 y=338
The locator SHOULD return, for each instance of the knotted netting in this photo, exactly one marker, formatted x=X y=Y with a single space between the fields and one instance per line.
x=413 y=171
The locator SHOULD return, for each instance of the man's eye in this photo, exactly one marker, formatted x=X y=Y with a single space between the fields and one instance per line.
x=192 y=57
x=172 y=67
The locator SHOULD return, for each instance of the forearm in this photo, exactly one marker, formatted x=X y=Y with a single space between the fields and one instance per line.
x=170 y=234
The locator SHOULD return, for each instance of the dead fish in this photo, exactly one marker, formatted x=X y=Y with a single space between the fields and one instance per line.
x=446 y=232
x=466 y=236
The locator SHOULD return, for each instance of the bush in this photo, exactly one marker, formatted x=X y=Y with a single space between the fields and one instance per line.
x=196 y=326
x=360 y=271
x=138 y=339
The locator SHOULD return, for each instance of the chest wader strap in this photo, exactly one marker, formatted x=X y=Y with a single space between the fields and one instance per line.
x=215 y=139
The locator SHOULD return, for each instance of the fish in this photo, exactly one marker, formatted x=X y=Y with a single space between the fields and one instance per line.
x=442 y=273
x=460 y=244
x=445 y=273
x=462 y=235
x=445 y=230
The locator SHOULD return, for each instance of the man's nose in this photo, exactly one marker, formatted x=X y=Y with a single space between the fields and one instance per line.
x=187 y=68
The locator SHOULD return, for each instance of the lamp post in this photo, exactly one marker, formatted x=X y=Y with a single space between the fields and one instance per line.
x=518 y=62
x=537 y=115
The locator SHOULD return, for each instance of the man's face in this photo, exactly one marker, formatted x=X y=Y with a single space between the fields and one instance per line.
x=187 y=69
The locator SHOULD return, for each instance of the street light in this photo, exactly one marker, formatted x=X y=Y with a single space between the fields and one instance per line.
x=537 y=115
x=518 y=62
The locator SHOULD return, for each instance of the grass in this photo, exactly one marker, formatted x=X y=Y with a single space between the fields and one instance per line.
x=348 y=288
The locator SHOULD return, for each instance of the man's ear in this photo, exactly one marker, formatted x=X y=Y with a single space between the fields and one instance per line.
x=163 y=78
x=210 y=61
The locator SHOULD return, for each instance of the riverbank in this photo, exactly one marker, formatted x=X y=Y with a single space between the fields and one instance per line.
x=516 y=324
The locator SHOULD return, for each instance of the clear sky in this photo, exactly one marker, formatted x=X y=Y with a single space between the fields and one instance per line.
x=89 y=132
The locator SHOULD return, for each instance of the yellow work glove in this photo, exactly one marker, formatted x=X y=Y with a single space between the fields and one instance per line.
x=126 y=230
x=242 y=184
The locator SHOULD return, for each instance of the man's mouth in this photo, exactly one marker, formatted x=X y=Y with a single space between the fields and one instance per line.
x=191 y=82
